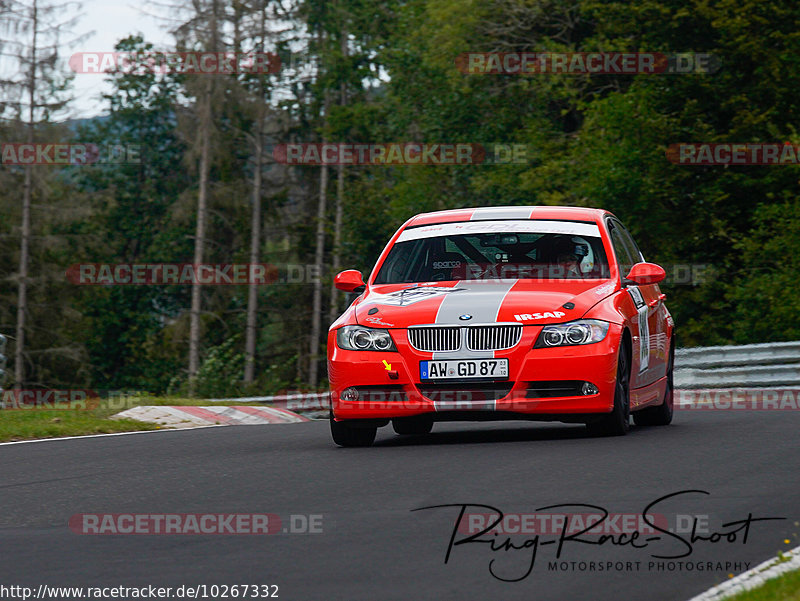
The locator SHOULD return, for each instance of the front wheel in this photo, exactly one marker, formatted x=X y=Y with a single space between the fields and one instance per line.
x=348 y=436
x=616 y=423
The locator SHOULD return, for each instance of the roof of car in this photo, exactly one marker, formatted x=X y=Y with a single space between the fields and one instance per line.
x=509 y=212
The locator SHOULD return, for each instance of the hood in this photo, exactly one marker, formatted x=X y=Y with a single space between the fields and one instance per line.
x=519 y=301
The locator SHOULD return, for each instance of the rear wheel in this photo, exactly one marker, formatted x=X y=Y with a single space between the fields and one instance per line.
x=662 y=414
x=616 y=423
x=346 y=435
x=416 y=426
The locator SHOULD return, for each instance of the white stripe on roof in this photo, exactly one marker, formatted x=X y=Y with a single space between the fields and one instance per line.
x=495 y=227
x=486 y=213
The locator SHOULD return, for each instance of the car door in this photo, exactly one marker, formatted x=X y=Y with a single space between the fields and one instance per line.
x=647 y=366
x=657 y=322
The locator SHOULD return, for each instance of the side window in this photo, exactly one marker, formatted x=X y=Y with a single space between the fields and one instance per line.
x=621 y=249
x=636 y=254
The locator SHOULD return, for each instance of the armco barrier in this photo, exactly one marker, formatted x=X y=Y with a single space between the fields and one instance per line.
x=750 y=365
x=711 y=367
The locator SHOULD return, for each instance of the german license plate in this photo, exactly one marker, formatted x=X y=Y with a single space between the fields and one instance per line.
x=496 y=369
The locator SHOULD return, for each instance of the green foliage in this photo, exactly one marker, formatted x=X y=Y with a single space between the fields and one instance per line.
x=600 y=141
x=764 y=292
x=220 y=374
x=133 y=224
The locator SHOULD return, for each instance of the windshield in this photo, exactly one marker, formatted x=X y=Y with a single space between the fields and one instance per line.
x=496 y=250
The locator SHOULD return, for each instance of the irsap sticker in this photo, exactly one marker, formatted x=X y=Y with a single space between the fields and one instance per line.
x=534 y=316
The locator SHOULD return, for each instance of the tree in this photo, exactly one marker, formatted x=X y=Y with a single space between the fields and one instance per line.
x=135 y=198
x=260 y=90
x=336 y=259
x=201 y=31
x=40 y=92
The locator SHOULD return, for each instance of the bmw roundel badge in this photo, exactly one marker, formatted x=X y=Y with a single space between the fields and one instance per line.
x=465 y=317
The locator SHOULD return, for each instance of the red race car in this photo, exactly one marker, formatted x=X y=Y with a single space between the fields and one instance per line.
x=541 y=313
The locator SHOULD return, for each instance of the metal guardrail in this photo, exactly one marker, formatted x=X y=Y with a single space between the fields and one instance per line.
x=748 y=354
x=749 y=365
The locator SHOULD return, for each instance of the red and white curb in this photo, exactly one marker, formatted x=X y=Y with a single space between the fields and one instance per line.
x=301 y=401
x=772 y=568
x=170 y=416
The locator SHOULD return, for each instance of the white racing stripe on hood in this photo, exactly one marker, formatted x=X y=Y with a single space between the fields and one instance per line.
x=483 y=301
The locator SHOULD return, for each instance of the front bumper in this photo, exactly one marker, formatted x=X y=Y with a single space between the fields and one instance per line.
x=543 y=383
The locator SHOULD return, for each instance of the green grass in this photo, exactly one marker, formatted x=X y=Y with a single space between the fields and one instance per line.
x=27 y=424
x=783 y=588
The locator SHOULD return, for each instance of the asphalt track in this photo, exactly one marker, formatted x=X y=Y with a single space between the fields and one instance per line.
x=373 y=546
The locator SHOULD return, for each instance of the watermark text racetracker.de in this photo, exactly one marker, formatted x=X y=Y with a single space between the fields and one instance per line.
x=195 y=523
x=189 y=63
x=402 y=153
x=586 y=63
x=738 y=399
x=729 y=154
x=170 y=274
x=722 y=399
x=68 y=399
x=676 y=274
x=62 y=154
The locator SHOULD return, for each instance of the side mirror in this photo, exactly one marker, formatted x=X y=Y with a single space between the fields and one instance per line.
x=351 y=281
x=646 y=273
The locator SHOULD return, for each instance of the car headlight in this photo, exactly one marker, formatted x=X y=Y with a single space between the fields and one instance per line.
x=583 y=331
x=359 y=338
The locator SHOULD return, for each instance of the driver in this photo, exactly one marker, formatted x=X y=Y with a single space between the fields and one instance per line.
x=568 y=262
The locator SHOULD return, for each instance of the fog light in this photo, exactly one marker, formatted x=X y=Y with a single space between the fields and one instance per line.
x=350 y=395
x=589 y=388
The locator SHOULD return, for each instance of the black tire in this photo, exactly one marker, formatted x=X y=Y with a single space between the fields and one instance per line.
x=412 y=426
x=660 y=415
x=348 y=436
x=616 y=423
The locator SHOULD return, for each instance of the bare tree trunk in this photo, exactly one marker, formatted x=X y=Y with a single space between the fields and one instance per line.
x=202 y=212
x=316 y=317
x=336 y=262
x=255 y=226
x=24 y=253
x=255 y=244
x=22 y=300
x=200 y=238
x=319 y=257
